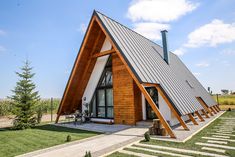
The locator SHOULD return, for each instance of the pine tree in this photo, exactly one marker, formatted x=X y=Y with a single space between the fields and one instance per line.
x=25 y=99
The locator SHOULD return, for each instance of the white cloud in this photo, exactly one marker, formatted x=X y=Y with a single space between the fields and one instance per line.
x=228 y=52
x=196 y=74
x=2 y=32
x=212 y=34
x=150 y=30
x=203 y=64
x=159 y=10
x=82 y=28
x=180 y=51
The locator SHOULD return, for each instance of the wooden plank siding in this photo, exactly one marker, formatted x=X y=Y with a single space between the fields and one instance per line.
x=126 y=95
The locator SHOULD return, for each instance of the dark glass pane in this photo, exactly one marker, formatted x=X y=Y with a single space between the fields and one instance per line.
x=109 y=97
x=101 y=112
x=102 y=82
x=109 y=77
x=93 y=107
x=101 y=98
x=110 y=112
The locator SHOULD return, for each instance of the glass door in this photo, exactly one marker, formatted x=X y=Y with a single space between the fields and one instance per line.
x=150 y=114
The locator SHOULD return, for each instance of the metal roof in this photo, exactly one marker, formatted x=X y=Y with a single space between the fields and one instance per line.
x=144 y=57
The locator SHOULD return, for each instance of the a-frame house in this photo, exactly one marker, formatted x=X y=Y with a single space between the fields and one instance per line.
x=125 y=78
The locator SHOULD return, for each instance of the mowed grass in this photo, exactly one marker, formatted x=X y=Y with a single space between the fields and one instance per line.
x=190 y=144
x=16 y=142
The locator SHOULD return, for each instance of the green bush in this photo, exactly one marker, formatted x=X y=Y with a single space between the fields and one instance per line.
x=88 y=154
x=68 y=138
x=147 y=136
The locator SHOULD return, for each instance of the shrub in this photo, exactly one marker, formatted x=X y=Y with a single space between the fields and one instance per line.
x=39 y=113
x=68 y=138
x=147 y=136
x=88 y=154
x=6 y=107
x=226 y=102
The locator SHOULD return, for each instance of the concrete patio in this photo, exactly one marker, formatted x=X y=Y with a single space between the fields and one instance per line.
x=102 y=128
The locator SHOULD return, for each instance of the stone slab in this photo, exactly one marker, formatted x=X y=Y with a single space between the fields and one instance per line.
x=136 y=154
x=218 y=139
x=159 y=151
x=221 y=136
x=181 y=150
x=214 y=149
x=215 y=145
x=217 y=142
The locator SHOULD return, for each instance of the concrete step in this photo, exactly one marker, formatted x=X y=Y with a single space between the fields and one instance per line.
x=159 y=151
x=215 y=145
x=218 y=139
x=214 y=149
x=135 y=154
x=187 y=151
x=217 y=142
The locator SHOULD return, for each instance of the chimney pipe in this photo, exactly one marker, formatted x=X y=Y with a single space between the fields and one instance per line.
x=165 y=47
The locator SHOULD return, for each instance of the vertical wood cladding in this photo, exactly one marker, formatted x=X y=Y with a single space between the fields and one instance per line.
x=127 y=96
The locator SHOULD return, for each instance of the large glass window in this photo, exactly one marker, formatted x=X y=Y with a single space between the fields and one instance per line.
x=102 y=102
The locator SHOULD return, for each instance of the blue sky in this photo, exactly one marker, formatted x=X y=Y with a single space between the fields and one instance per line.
x=49 y=34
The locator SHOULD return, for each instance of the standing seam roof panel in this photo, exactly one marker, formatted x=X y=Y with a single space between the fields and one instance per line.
x=150 y=66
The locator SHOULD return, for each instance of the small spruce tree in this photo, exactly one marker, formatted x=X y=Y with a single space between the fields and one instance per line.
x=25 y=99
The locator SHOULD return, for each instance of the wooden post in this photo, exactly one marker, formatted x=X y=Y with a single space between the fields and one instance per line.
x=161 y=92
x=212 y=109
x=157 y=112
x=199 y=116
x=192 y=119
x=204 y=105
x=141 y=87
x=204 y=112
x=217 y=97
x=216 y=108
x=51 y=109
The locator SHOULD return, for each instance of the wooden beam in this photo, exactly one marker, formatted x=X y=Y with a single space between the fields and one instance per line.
x=104 y=53
x=212 y=109
x=170 y=105
x=204 y=112
x=192 y=119
x=142 y=89
x=199 y=116
x=157 y=112
x=216 y=108
x=204 y=105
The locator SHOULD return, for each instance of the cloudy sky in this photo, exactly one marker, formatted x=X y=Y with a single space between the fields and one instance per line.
x=49 y=34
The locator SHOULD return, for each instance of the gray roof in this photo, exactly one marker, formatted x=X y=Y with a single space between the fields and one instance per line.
x=144 y=57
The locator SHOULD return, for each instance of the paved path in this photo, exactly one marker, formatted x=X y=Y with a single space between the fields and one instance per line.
x=97 y=146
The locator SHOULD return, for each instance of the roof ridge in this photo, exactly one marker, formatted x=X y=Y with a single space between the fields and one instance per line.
x=128 y=28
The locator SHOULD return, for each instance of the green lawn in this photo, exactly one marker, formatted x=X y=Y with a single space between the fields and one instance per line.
x=190 y=144
x=14 y=142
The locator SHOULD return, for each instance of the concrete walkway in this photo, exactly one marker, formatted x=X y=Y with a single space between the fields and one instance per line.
x=97 y=146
